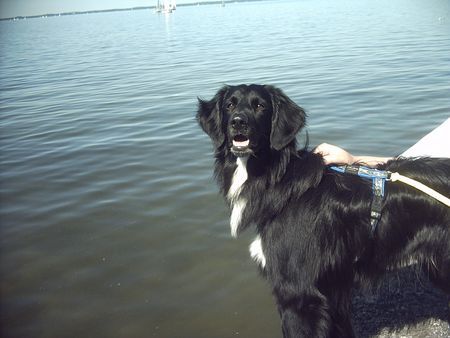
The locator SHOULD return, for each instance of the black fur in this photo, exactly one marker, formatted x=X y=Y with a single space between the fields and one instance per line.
x=314 y=223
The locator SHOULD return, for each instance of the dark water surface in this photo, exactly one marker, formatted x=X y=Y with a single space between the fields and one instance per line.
x=111 y=225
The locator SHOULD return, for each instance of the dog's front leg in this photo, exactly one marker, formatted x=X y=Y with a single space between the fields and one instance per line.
x=311 y=314
x=305 y=315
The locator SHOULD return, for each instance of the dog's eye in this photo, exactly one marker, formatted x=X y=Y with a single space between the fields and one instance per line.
x=259 y=106
x=230 y=105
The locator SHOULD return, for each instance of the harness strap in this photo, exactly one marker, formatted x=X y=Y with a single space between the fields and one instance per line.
x=378 y=177
x=377 y=201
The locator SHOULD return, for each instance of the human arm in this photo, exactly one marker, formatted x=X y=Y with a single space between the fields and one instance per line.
x=337 y=155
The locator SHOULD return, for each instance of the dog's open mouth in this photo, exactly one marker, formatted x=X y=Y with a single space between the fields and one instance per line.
x=241 y=146
x=241 y=141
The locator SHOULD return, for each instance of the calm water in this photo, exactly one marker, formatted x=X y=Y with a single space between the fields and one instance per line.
x=111 y=225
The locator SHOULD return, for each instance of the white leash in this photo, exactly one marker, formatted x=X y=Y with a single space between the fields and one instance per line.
x=427 y=190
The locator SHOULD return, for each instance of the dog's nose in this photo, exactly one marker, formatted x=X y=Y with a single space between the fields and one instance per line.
x=239 y=122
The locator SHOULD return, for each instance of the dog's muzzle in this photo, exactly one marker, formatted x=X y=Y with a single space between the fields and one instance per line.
x=239 y=132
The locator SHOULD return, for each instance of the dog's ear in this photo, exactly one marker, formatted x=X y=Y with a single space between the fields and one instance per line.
x=287 y=119
x=209 y=116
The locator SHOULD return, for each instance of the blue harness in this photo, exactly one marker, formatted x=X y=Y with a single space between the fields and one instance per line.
x=379 y=178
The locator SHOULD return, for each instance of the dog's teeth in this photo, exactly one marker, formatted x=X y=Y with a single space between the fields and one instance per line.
x=241 y=144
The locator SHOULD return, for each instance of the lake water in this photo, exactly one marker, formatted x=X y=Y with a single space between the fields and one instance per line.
x=111 y=224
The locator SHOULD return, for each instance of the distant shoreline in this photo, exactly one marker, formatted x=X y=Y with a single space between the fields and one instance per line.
x=115 y=10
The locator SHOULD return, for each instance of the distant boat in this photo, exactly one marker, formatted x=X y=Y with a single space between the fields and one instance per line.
x=166 y=6
x=158 y=7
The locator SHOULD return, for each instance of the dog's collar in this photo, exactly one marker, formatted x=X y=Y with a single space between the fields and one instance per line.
x=379 y=178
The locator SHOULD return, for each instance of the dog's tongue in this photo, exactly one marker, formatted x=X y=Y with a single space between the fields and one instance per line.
x=241 y=144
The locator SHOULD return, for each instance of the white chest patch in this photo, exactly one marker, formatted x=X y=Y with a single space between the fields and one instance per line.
x=239 y=177
x=256 y=252
x=237 y=203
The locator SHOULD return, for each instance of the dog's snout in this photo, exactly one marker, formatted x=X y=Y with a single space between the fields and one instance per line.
x=239 y=122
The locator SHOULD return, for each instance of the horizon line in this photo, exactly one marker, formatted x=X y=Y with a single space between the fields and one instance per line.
x=24 y=17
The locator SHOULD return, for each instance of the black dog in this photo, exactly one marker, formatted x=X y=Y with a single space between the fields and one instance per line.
x=314 y=237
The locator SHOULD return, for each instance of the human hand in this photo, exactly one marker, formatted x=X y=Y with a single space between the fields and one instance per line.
x=334 y=154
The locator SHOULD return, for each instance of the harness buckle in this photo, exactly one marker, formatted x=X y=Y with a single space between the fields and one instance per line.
x=388 y=175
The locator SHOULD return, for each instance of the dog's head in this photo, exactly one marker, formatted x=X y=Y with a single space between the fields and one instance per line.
x=249 y=118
